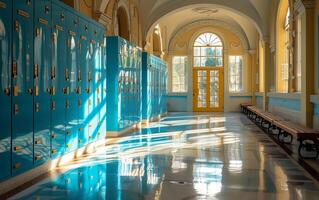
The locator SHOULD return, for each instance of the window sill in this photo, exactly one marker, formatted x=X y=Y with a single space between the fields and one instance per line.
x=240 y=94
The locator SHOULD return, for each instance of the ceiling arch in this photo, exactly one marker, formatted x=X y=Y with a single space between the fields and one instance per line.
x=236 y=30
x=161 y=8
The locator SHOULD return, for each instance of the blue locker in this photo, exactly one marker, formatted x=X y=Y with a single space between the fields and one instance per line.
x=42 y=77
x=85 y=56
x=5 y=86
x=22 y=83
x=71 y=74
x=58 y=80
x=124 y=84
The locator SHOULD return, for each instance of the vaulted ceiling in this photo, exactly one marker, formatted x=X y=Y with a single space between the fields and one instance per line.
x=247 y=16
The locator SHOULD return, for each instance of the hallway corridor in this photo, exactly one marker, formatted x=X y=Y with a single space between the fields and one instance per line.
x=184 y=156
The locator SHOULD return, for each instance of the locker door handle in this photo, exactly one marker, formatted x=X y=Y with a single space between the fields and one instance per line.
x=78 y=90
x=17 y=166
x=79 y=103
x=66 y=90
x=68 y=132
x=17 y=148
x=67 y=104
x=54 y=151
x=38 y=141
x=30 y=91
x=53 y=136
x=37 y=157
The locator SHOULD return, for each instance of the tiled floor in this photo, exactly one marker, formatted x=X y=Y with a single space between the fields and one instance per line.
x=183 y=157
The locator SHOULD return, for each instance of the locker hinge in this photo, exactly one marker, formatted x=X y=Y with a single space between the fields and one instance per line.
x=36 y=71
x=14 y=69
x=16 y=109
x=78 y=90
x=79 y=76
x=80 y=129
x=88 y=90
x=16 y=90
x=36 y=90
x=67 y=75
x=37 y=32
x=51 y=90
x=79 y=103
x=46 y=9
x=67 y=104
x=53 y=105
x=37 y=107
x=90 y=77
x=68 y=43
x=53 y=74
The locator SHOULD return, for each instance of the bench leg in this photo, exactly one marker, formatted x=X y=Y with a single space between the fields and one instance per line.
x=284 y=137
x=305 y=146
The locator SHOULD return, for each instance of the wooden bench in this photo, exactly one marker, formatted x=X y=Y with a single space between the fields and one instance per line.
x=308 y=138
x=287 y=130
x=244 y=106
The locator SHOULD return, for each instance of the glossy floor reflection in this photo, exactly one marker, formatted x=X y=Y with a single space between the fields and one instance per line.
x=183 y=157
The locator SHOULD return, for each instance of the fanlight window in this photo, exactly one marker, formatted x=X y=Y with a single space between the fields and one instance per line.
x=208 y=51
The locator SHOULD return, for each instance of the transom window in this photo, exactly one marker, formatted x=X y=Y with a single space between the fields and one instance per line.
x=235 y=74
x=179 y=74
x=208 y=51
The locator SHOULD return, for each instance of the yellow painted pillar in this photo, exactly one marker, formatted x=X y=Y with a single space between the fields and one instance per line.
x=266 y=73
x=308 y=64
x=252 y=55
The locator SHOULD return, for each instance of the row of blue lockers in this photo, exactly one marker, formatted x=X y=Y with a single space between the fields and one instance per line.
x=53 y=83
x=136 y=87
x=57 y=93
x=155 y=81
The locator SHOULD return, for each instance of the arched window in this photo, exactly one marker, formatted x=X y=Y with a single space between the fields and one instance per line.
x=208 y=51
x=283 y=46
x=285 y=65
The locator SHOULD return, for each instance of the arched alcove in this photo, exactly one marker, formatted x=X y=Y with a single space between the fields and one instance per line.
x=123 y=23
x=157 y=42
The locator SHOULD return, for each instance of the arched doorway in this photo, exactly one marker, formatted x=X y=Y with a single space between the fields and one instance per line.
x=123 y=24
x=208 y=74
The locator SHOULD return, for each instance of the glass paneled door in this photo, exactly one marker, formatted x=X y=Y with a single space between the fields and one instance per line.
x=208 y=89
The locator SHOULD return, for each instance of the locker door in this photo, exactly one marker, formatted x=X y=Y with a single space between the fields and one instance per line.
x=93 y=71
x=58 y=81
x=5 y=87
x=84 y=84
x=42 y=76
x=71 y=104
x=22 y=83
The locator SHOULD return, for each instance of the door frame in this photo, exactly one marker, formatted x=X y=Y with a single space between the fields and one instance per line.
x=221 y=89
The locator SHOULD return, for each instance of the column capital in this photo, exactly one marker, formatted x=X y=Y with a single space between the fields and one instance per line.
x=308 y=4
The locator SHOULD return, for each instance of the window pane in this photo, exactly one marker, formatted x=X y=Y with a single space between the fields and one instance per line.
x=179 y=74
x=235 y=74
